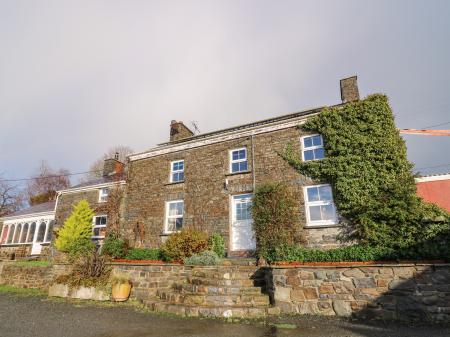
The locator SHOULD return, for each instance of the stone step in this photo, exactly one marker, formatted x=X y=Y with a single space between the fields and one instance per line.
x=238 y=262
x=228 y=274
x=212 y=290
x=206 y=311
x=255 y=300
x=225 y=282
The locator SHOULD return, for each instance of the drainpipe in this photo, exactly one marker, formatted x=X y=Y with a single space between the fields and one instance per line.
x=253 y=164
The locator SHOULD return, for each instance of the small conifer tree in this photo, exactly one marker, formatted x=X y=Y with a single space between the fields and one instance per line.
x=75 y=236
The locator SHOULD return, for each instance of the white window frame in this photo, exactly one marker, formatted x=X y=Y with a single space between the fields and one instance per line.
x=302 y=143
x=310 y=223
x=102 y=197
x=37 y=224
x=167 y=216
x=98 y=237
x=238 y=160
x=172 y=171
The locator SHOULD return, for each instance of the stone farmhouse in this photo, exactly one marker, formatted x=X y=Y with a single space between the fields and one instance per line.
x=201 y=181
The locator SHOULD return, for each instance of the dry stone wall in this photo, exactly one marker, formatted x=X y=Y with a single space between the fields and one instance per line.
x=36 y=277
x=402 y=292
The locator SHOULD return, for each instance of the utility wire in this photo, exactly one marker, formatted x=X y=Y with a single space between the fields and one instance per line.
x=432 y=126
x=50 y=176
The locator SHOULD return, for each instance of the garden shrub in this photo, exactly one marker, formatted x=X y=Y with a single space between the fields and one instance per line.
x=205 y=258
x=273 y=212
x=89 y=270
x=296 y=253
x=144 y=254
x=184 y=244
x=115 y=246
x=74 y=237
x=217 y=244
x=371 y=177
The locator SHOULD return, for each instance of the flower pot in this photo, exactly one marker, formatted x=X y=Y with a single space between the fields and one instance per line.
x=121 y=291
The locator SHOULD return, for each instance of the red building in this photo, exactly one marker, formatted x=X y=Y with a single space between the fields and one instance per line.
x=435 y=189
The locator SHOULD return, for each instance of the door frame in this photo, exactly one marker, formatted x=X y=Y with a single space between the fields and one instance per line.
x=231 y=219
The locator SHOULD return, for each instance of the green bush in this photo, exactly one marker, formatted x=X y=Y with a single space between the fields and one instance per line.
x=144 y=254
x=273 y=212
x=74 y=237
x=217 y=244
x=206 y=258
x=295 y=253
x=115 y=246
x=184 y=244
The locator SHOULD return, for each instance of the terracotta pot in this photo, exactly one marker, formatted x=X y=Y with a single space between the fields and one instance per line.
x=121 y=291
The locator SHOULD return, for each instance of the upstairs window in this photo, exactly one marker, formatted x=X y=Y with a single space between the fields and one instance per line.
x=99 y=227
x=312 y=148
x=238 y=160
x=320 y=208
x=177 y=171
x=103 y=194
x=174 y=215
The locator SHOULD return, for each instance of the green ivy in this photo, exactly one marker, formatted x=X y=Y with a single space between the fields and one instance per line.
x=367 y=167
x=273 y=212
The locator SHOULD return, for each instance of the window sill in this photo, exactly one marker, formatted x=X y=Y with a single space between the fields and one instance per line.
x=236 y=173
x=174 y=183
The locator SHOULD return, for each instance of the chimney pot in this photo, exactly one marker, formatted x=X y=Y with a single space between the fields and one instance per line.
x=349 y=89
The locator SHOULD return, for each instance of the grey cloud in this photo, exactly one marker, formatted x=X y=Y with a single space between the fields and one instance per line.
x=77 y=77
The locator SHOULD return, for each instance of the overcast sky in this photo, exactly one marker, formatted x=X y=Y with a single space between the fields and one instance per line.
x=77 y=77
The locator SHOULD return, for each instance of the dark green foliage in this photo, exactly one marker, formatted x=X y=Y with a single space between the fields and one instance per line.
x=273 y=212
x=115 y=246
x=206 y=258
x=144 y=254
x=217 y=244
x=295 y=253
x=373 y=187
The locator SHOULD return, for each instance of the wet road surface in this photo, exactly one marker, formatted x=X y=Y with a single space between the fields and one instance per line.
x=26 y=316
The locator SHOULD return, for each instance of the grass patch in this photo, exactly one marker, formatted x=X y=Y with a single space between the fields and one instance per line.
x=7 y=289
x=32 y=263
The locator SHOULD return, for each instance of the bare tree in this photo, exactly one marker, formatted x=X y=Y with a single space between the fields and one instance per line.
x=11 y=198
x=95 y=170
x=45 y=182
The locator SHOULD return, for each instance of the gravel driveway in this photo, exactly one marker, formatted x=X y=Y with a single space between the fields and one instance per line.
x=26 y=316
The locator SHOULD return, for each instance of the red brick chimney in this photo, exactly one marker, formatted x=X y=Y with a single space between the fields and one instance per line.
x=349 y=89
x=112 y=166
x=179 y=131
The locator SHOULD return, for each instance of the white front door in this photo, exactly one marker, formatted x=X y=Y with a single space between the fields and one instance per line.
x=242 y=236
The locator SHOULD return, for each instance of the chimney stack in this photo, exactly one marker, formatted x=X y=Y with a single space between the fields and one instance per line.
x=112 y=166
x=349 y=89
x=179 y=131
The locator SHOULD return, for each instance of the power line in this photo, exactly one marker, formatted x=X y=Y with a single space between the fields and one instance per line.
x=50 y=176
x=432 y=126
x=442 y=165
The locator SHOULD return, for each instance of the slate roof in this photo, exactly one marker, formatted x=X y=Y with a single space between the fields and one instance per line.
x=41 y=208
x=98 y=181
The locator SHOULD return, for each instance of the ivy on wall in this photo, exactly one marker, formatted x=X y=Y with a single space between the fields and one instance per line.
x=367 y=167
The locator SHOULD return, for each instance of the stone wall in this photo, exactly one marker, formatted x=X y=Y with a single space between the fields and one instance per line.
x=147 y=279
x=23 y=276
x=208 y=187
x=402 y=292
x=67 y=201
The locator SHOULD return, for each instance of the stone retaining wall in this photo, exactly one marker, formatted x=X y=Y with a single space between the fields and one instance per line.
x=37 y=277
x=147 y=279
x=402 y=292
